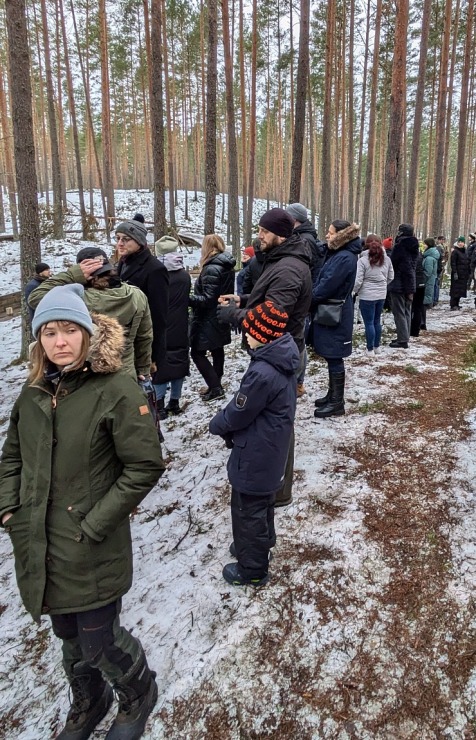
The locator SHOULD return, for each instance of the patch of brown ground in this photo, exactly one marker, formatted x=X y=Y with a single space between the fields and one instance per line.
x=413 y=470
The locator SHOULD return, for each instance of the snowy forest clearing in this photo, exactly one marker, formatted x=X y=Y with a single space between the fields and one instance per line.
x=367 y=626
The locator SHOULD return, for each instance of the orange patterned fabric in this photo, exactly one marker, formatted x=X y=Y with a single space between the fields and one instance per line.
x=265 y=322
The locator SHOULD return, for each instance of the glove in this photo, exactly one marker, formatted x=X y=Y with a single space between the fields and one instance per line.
x=228 y=440
x=228 y=314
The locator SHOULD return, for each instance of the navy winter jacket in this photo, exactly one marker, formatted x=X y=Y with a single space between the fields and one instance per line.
x=336 y=280
x=259 y=419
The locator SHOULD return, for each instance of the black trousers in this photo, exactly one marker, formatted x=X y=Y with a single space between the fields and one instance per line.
x=211 y=372
x=97 y=638
x=418 y=312
x=252 y=520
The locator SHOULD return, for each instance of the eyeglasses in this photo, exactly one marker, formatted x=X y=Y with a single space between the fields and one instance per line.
x=123 y=239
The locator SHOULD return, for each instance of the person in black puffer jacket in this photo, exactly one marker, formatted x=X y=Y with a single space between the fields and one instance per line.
x=459 y=273
x=207 y=334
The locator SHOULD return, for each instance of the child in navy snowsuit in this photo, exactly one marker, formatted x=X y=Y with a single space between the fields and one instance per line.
x=257 y=425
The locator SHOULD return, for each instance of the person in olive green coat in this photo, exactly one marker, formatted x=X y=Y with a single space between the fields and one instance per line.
x=106 y=294
x=81 y=453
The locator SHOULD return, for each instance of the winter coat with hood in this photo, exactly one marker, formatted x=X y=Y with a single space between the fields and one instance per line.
x=145 y=271
x=177 y=362
x=404 y=259
x=372 y=280
x=336 y=281
x=308 y=234
x=259 y=419
x=285 y=280
x=459 y=272
x=431 y=259
x=216 y=278
x=124 y=302
x=81 y=453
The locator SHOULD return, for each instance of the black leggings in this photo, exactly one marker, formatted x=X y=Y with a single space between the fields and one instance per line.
x=211 y=373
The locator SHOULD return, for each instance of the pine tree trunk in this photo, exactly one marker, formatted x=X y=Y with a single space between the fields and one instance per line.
x=251 y=167
x=438 y=184
x=463 y=123
x=55 y=156
x=393 y=162
x=157 y=119
x=300 y=104
x=369 y=171
x=358 y=188
x=74 y=126
x=350 y=160
x=24 y=149
x=168 y=117
x=233 y=204
x=325 y=215
x=417 y=121
x=211 y=128
x=10 y=178
x=108 y=177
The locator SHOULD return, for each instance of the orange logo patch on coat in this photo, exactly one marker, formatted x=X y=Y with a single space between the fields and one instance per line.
x=143 y=410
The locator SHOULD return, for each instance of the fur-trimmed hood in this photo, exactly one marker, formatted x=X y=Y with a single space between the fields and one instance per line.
x=107 y=344
x=344 y=236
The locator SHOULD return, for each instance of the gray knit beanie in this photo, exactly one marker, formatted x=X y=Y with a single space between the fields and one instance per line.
x=63 y=303
x=297 y=211
x=134 y=230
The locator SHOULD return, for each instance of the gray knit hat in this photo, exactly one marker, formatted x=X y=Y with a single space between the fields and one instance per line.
x=297 y=211
x=63 y=303
x=134 y=230
x=166 y=244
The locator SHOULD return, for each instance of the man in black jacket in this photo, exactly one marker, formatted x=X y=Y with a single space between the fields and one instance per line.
x=285 y=280
x=402 y=288
x=137 y=266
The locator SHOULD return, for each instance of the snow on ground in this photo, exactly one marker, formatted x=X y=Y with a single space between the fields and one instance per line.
x=192 y=624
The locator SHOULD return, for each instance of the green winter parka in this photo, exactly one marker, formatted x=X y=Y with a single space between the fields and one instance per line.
x=78 y=458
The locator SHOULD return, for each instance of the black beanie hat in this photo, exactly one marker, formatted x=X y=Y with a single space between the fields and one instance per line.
x=278 y=221
x=134 y=230
x=265 y=322
x=406 y=230
x=41 y=267
x=91 y=253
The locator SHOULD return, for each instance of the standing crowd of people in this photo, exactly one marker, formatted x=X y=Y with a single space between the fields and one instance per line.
x=101 y=329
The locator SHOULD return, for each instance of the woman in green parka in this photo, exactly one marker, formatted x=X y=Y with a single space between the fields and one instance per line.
x=431 y=258
x=81 y=453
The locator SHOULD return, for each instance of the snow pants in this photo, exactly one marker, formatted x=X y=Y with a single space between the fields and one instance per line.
x=252 y=520
x=97 y=638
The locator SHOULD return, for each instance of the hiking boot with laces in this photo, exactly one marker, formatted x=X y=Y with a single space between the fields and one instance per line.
x=231 y=573
x=91 y=699
x=137 y=695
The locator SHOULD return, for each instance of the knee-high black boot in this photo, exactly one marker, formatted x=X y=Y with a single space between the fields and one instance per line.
x=335 y=404
x=324 y=399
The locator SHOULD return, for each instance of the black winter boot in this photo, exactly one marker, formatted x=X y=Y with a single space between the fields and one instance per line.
x=324 y=399
x=92 y=697
x=335 y=405
x=137 y=694
x=173 y=406
x=161 y=410
x=213 y=394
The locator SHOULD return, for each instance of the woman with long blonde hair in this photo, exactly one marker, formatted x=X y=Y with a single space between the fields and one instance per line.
x=207 y=334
